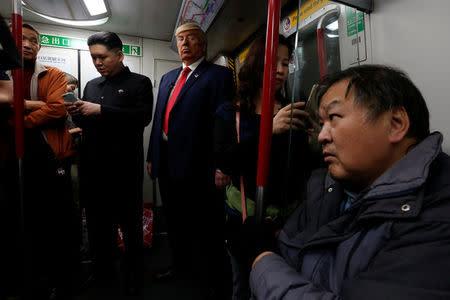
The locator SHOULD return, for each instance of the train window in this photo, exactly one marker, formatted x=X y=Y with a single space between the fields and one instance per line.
x=328 y=37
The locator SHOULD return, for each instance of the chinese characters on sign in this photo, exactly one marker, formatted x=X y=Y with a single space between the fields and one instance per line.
x=75 y=43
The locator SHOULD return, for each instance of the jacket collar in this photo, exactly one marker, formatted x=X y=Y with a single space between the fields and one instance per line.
x=396 y=193
x=115 y=78
x=39 y=70
x=196 y=74
x=410 y=172
x=194 y=65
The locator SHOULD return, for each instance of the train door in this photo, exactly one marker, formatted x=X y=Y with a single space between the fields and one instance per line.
x=161 y=67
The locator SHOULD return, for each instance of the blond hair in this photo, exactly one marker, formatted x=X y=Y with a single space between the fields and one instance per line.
x=188 y=26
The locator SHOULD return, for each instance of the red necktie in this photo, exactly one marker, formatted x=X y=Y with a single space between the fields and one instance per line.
x=174 y=97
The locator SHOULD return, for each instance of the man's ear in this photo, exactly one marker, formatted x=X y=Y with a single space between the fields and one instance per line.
x=399 y=125
x=121 y=55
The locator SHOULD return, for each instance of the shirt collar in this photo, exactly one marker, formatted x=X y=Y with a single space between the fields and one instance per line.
x=116 y=77
x=194 y=65
x=351 y=195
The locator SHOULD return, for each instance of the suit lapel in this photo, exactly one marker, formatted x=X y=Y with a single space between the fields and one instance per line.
x=202 y=67
x=168 y=86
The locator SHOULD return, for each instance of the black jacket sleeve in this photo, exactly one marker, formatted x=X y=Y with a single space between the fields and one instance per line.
x=232 y=157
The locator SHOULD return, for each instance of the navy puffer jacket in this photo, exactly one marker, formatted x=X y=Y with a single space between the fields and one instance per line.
x=393 y=242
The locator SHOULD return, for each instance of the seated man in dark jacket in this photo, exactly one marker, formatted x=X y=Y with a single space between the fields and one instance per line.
x=376 y=224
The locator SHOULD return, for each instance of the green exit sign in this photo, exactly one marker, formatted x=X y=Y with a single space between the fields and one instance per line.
x=61 y=41
x=131 y=50
x=355 y=21
x=75 y=43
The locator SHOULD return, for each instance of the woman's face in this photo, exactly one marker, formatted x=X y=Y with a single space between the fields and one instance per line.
x=282 y=66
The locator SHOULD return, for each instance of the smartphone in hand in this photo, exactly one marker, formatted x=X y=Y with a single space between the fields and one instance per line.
x=313 y=94
x=69 y=97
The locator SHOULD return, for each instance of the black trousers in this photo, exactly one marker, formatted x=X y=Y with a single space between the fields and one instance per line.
x=195 y=220
x=113 y=198
x=42 y=256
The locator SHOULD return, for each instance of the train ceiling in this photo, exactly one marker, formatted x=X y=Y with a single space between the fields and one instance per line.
x=156 y=19
x=363 y=5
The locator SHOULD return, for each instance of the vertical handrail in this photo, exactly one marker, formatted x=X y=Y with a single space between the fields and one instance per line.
x=291 y=116
x=17 y=74
x=321 y=44
x=265 y=136
x=322 y=53
x=16 y=19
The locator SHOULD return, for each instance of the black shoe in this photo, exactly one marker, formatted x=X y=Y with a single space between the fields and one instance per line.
x=84 y=284
x=132 y=289
x=168 y=274
x=59 y=294
x=133 y=284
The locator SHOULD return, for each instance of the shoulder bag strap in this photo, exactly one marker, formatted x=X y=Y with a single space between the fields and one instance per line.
x=243 y=202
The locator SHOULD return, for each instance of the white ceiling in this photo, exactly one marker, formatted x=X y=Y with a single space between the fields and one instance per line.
x=156 y=19
x=153 y=19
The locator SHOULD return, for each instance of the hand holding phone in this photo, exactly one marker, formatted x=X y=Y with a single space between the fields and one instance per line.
x=282 y=120
x=69 y=97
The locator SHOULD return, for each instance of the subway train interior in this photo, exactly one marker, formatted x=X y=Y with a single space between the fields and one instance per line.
x=323 y=37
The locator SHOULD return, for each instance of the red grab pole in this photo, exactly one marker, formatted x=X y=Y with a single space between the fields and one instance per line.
x=322 y=52
x=265 y=135
x=16 y=19
x=321 y=43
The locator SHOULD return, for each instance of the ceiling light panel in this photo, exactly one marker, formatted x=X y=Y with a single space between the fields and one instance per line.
x=92 y=22
x=72 y=13
x=95 y=7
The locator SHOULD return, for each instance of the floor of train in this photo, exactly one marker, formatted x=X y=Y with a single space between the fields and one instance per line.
x=155 y=260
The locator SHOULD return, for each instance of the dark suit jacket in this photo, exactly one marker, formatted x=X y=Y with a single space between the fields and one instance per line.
x=190 y=146
x=113 y=141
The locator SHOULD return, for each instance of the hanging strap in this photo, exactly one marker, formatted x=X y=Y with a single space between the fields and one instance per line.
x=243 y=202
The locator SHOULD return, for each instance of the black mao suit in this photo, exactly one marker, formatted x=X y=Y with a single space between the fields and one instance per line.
x=185 y=167
x=112 y=157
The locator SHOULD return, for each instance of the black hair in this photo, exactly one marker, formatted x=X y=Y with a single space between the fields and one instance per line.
x=25 y=25
x=252 y=72
x=381 y=88
x=284 y=41
x=280 y=94
x=28 y=26
x=71 y=79
x=109 y=39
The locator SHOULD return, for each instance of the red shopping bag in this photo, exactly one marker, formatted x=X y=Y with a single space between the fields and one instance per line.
x=147 y=222
x=147 y=225
x=120 y=242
